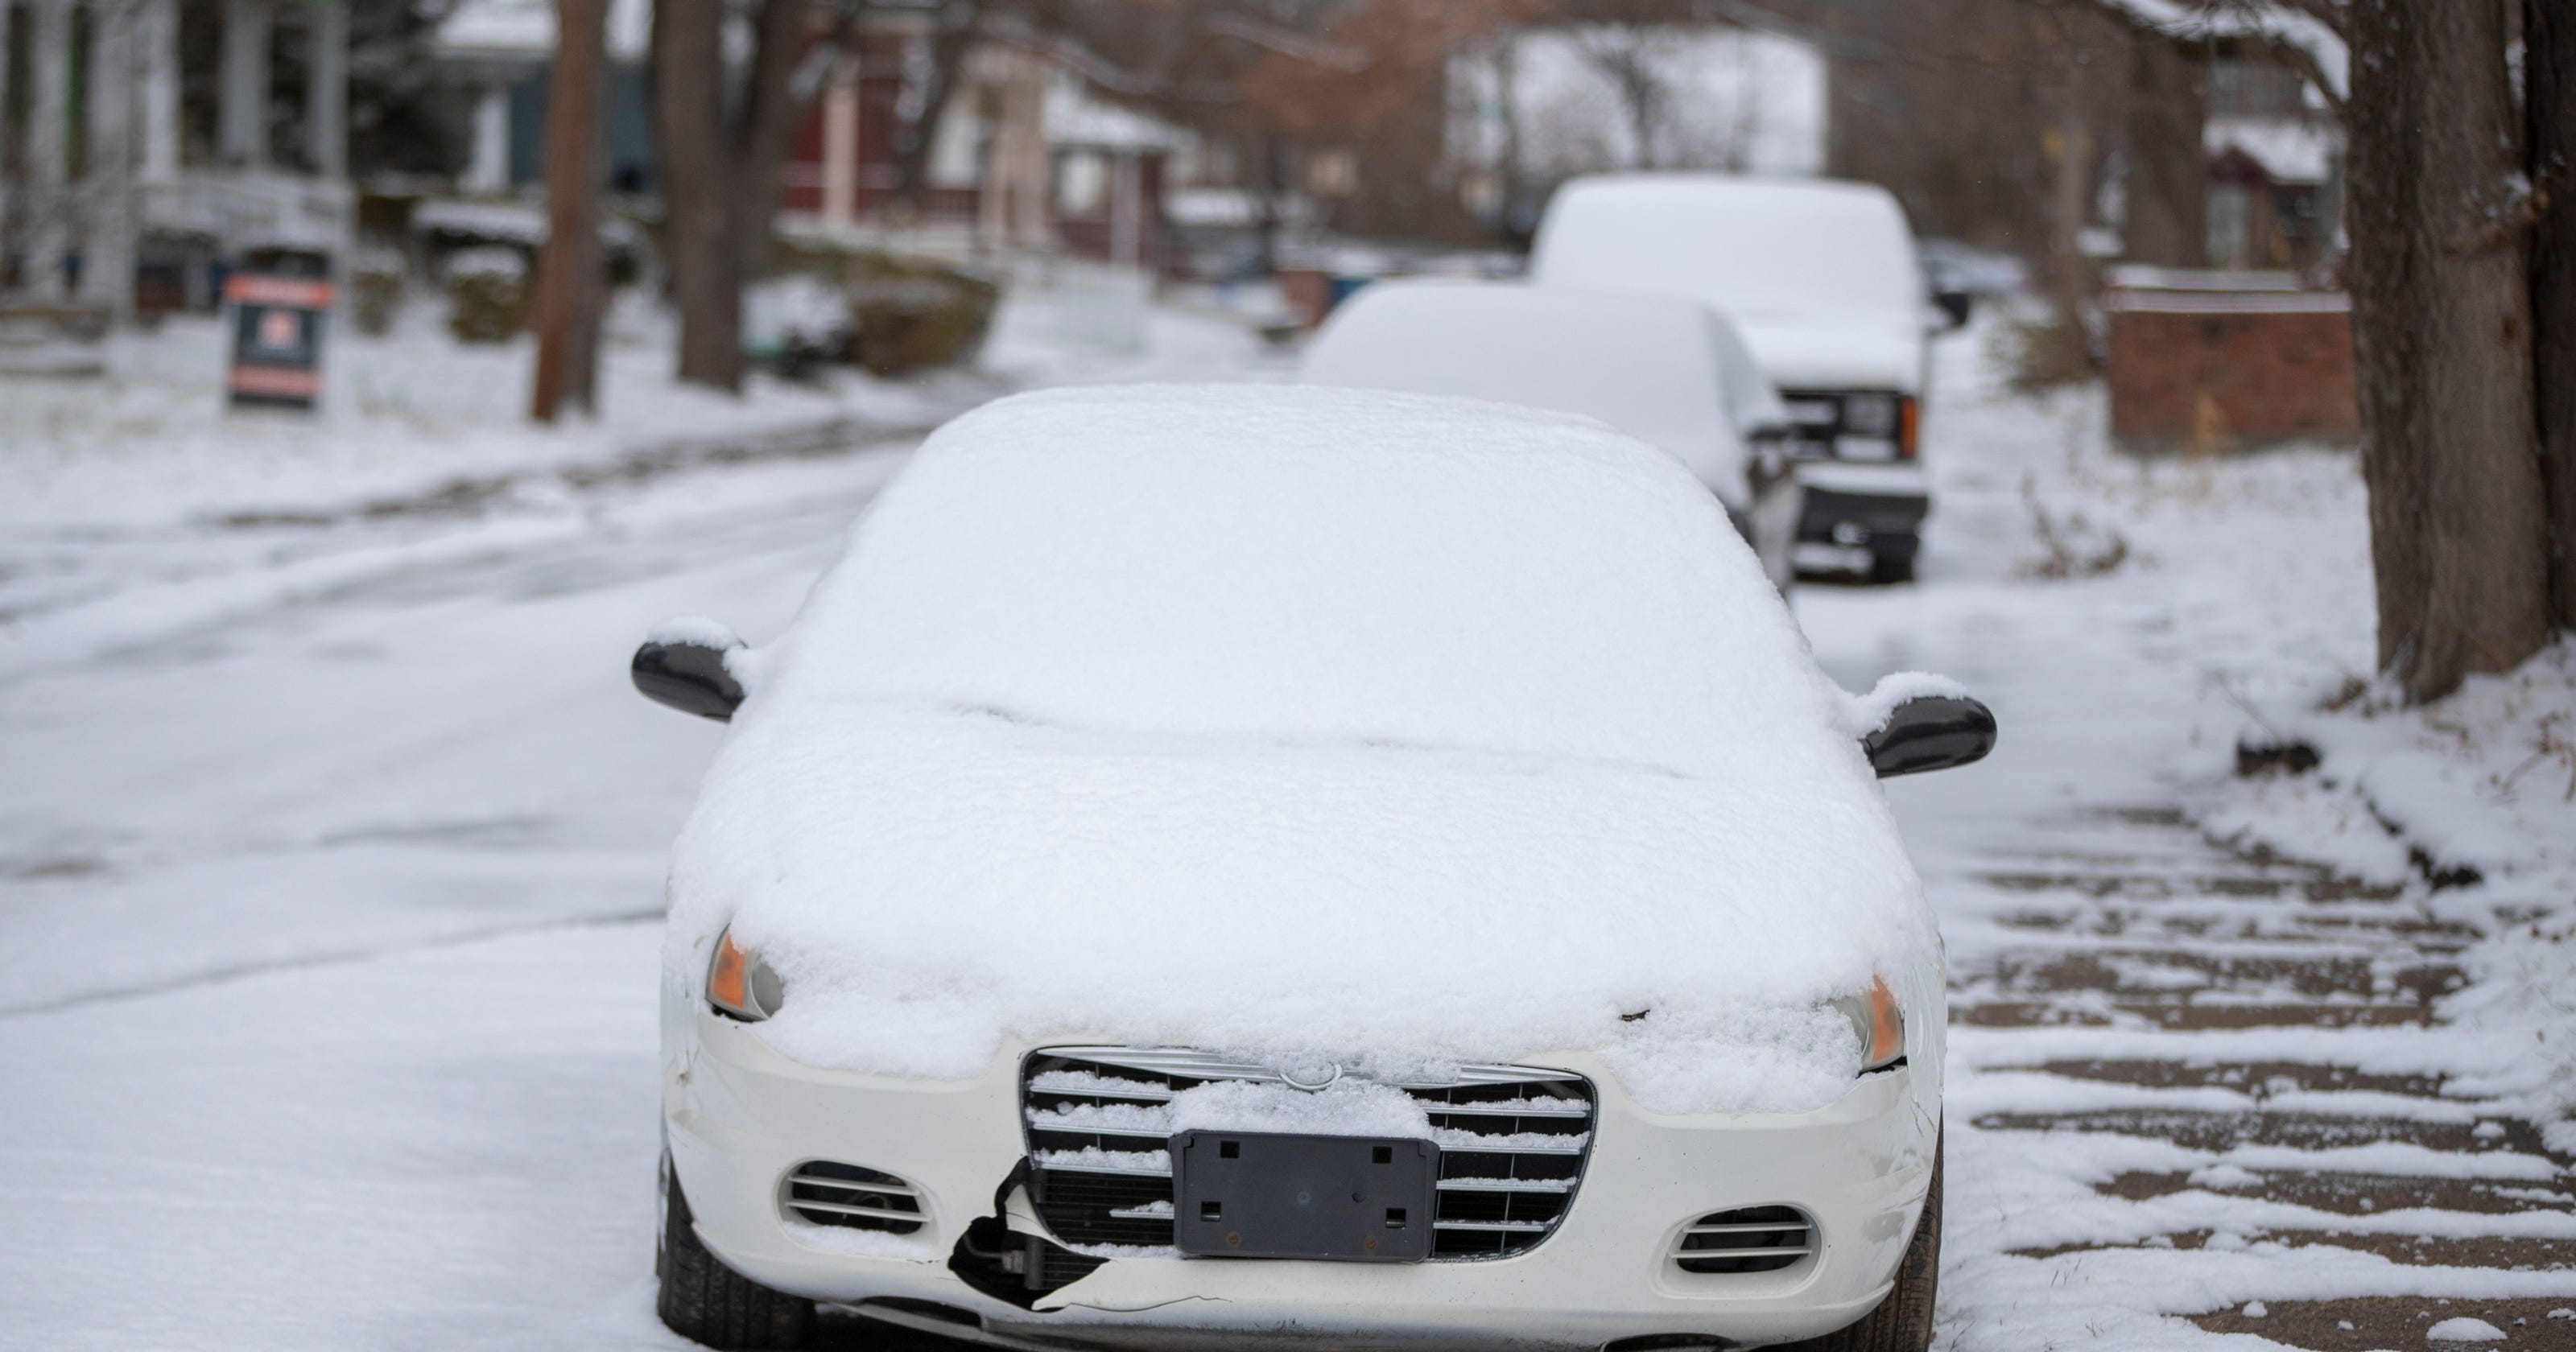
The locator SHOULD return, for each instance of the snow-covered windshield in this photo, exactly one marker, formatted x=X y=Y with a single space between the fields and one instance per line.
x=1314 y=564
x=1761 y=250
x=1647 y=365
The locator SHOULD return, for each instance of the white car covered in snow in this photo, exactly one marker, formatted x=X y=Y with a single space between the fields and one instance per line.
x=1672 y=373
x=1299 y=867
x=1823 y=279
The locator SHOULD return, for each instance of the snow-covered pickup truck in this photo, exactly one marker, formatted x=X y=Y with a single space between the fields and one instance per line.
x=1298 y=867
x=1823 y=281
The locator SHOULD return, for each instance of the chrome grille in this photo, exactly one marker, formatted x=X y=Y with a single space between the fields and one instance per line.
x=829 y=1193
x=1747 y=1239
x=1513 y=1141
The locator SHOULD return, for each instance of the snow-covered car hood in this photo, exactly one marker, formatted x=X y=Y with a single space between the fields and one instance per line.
x=1863 y=352
x=930 y=882
x=1301 y=723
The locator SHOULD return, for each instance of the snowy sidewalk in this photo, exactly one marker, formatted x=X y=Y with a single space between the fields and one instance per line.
x=2195 y=1088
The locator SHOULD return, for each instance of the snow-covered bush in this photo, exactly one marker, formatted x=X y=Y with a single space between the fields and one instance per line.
x=905 y=313
x=488 y=294
x=376 y=280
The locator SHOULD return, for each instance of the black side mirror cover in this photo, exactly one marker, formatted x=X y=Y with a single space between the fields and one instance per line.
x=1931 y=732
x=689 y=677
x=1956 y=304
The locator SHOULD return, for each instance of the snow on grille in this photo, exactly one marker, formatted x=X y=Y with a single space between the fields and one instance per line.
x=1513 y=1141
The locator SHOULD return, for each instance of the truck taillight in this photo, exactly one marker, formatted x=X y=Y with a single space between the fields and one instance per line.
x=1908 y=417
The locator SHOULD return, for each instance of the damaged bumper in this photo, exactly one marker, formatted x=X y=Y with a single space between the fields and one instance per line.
x=744 y=1120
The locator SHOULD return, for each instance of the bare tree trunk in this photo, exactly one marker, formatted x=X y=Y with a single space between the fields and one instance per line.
x=2168 y=222
x=1269 y=186
x=568 y=282
x=766 y=125
x=1637 y=87
x=915 y=139
x=698 y=188
x=2549 y=115
x=2069 y=203
x=2442 y=330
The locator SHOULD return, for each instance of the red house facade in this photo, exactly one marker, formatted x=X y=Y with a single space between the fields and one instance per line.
x=1023 y=157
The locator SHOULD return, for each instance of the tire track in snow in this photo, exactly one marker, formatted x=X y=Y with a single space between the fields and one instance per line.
x=304 y=962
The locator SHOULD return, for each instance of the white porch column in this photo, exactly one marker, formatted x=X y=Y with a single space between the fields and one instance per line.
x=1016 y=181
x=841 y=147
x=326 y=89
x=489 y=170
x=1126 y=209
x=48 y=200
x=107 y=185
x=9 y=19
x=156 y=36
x=242 y=101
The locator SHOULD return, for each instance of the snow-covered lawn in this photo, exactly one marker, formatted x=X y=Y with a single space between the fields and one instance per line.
x=330 y=870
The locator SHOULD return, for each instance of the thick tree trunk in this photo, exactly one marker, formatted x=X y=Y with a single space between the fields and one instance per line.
x=2168 y=195
x=568 y=281
x=698 y=188
x=767 y=124
x=2442 y=328
x=915 y=139
x=2549 y=114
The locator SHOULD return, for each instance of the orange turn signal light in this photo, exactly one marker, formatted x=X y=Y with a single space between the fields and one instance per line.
x=729 y=979
x=1886 y=1027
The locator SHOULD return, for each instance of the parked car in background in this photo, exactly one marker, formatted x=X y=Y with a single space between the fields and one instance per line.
x=1299 y=867
x=1823 y=280
x=1672 y=373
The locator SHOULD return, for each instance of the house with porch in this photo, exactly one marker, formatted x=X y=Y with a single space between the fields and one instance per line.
x=104 y=203
x=1023 y=157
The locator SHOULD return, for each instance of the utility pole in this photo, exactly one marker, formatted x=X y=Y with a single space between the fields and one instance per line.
x=568 y=281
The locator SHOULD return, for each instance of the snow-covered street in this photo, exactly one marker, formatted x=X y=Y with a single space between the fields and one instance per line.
x=330 y=880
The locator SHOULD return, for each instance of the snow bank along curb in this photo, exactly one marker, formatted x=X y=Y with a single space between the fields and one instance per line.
x=2469 y=804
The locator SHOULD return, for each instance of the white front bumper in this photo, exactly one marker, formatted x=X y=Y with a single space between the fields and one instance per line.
x=740 y=1117
x=1880 y=479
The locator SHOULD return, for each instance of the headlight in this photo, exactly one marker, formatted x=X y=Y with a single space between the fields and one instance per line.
x=1878 y=1024
x=1869 y=415
x=740 y=984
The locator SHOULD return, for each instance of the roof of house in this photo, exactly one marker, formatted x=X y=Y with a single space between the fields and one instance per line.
x=2290 y=150
x=525 y=30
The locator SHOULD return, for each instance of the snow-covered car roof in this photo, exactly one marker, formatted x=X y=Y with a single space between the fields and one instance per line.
x=1296 y=721
x=1821 y=276
x=1663 y=370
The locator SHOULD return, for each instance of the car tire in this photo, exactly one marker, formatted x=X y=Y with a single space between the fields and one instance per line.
x=1893 y=564
x=1903 y=1321
x=704 y=1301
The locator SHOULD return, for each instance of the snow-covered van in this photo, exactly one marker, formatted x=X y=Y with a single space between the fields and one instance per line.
x=1298 y=867
x=1822 y=279
x=1672 y=373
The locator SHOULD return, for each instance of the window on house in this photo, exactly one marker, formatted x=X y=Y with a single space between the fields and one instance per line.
x=2230 y=217
x=2240 y=87
x=1081 y=183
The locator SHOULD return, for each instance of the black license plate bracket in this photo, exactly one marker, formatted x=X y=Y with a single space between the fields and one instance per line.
x=1276 y=1195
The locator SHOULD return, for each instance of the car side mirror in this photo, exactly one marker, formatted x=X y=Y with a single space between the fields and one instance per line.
x=1931 y=732
x=688 y=673
x=1955 y=306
